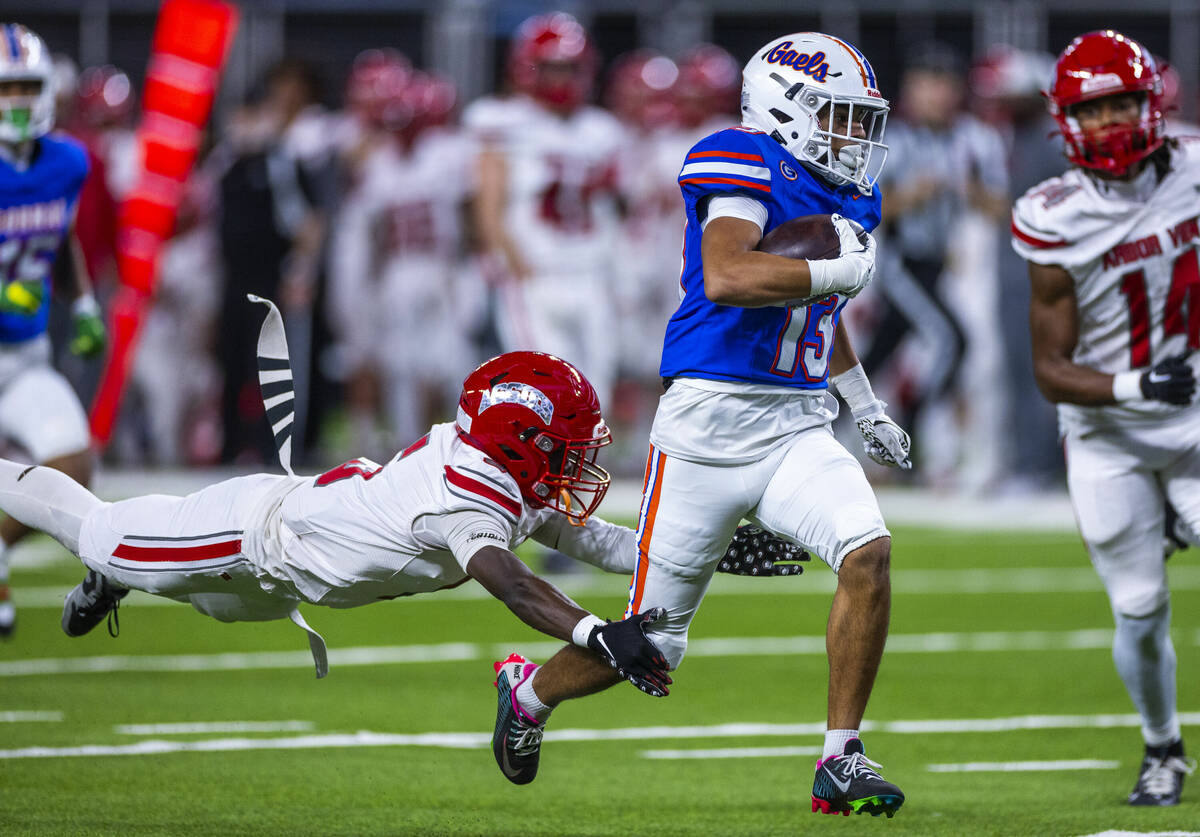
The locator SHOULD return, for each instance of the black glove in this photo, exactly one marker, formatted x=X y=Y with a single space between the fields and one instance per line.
x=755 y=551
x=633 y=654
x=1171 y=380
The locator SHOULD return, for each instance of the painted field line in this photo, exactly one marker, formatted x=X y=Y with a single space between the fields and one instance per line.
x=1144 y=834
x=478 y=740
x=17 y=716
x=1023 y=766
x=208 y=728
x=817 y=581
x=732 y=753
x=930 y=643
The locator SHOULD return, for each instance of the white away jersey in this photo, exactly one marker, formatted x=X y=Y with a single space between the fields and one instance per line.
x=562 y=180
x=1131 y=249
x=363 y=532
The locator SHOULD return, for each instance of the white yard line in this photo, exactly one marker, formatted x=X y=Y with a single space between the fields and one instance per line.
x=1144 y=834
x=930 y=643
x=732 y=753
x=208 y=728
x=1022 y=766
x=478 y=740
x=17 y=716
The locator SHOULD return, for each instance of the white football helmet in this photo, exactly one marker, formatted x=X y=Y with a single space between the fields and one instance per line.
x=24 y=57
x=788 y=83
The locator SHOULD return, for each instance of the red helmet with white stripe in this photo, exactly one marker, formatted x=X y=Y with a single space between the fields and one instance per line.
x=1099 y=64
x=710 y=85
x=639 y=89
x=376 y=88
x=552 y=60
x=539 y=418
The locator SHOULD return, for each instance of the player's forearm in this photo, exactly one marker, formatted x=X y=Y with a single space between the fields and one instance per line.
x=1064 y=382
x=754 y=279
x=844 y=357
x=543 y=607
x=606 y=545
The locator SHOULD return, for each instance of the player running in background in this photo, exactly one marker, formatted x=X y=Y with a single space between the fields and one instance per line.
x=546 y=210
x=393 y=260
x=40 y=179
x=1112 y=252
x=744 y=429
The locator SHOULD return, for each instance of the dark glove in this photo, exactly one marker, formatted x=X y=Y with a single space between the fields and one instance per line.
x=1171 y=380
x=755 y=551
x=634 y=655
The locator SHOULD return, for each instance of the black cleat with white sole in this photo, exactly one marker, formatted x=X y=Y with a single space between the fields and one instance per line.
x=90 y=602
x=1160 y=778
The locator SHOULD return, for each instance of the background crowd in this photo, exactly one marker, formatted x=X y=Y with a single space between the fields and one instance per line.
x=356 y=194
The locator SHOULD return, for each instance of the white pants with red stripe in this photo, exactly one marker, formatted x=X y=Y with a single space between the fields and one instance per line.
x=188 y=548
x=1119 y=479
x=809 y=489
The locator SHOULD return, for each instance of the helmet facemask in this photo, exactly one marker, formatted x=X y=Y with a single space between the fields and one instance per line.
x=574 y=483
x=1113 y=149
x=27 y=114
x=804 y=123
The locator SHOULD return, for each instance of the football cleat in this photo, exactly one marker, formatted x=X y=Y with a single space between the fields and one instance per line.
x=92 y=599
x=849 y=782
x=517 y=738
x=1160 y=778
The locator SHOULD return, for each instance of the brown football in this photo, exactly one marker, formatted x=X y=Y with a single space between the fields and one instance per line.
x=806 y=237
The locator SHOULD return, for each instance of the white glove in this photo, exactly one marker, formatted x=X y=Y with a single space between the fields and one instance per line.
x=851 y=271
x=883 y=439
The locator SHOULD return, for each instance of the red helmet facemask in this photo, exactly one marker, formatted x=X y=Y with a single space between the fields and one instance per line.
x=539 y=418
x=1100 y=64
x=552 y=60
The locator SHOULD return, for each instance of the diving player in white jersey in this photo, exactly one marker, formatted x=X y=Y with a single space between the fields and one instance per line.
x=394 y=254
x=1112 y=252
x=546 y=210
x=40 y=179
x=744 y=429
x=519 y=462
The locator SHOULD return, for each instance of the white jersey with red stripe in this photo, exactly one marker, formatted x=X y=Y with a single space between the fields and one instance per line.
x=393 y=253
x=561 y=180
x=363 y=532
x=1131 y=249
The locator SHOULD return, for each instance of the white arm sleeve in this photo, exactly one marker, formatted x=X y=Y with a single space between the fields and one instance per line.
x=736 y=206
x=606 y=545
x=463 y=533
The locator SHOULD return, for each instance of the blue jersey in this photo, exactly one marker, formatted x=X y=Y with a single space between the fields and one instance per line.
x=36 y=208
x=775 y=345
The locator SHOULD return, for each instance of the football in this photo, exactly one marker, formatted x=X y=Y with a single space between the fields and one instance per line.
x=806 y=237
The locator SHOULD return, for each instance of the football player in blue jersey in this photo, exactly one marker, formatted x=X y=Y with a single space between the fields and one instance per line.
x=40 y=178
x=743 y=430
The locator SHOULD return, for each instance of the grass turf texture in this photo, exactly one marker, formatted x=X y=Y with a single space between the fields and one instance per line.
x=586 y=787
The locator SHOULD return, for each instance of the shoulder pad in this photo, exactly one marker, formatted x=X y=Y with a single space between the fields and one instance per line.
x=480 y=483
x=727 y=161
x=1046 y=220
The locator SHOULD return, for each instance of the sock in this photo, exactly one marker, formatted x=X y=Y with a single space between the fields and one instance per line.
x=529 y=700
x=835 y=741
x=1145 y=659
x=47 y=500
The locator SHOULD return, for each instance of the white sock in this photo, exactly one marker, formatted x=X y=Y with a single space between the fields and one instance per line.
x=47 y=500
x=835 y=741
x=529 y=700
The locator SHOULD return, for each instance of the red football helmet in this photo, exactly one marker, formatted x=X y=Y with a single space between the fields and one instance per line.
x=552 y=60
x=376 y=88
x=104 y=97
x=639 y=89
x=710 y=85
x=538 y=417
x=1106 y=63
x=432 y=98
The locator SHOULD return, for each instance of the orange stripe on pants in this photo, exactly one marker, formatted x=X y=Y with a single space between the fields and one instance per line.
x=654 y=465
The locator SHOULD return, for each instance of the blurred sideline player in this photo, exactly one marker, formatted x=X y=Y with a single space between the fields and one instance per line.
x=1112 y=252
x=519 y=462
x=546 y=211
x=394 y=253
x=744 y=430
x=40 y=179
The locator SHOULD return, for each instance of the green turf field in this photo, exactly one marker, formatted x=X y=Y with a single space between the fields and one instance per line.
x=395 y=740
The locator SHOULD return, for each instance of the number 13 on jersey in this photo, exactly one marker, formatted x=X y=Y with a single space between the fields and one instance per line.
x=805 y=339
